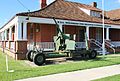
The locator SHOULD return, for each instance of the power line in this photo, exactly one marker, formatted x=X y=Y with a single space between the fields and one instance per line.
x=23 y=5
x=25 y=8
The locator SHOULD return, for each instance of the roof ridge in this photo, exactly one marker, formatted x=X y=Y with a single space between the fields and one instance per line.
x=113 y=10
x=86 y=5
x=83 y=4
x=37 y=10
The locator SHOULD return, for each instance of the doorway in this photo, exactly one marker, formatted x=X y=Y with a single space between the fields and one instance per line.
x=99 y=34
x=81 y=35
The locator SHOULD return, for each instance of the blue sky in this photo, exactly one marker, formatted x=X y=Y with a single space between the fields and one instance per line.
x=8 y=8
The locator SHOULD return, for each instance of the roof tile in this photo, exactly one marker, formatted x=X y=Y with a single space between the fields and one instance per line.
x=67 y=10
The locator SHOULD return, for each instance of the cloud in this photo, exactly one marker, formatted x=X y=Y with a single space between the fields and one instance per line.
x=118 y=1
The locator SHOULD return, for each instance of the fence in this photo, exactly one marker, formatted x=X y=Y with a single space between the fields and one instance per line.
x=50 y=45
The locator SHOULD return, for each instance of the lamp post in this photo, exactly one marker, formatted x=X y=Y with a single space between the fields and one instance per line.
x=103 y=19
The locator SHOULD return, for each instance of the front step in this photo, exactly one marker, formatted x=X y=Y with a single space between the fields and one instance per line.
x=99 y=50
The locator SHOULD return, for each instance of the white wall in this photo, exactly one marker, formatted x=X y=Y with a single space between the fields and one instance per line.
x=85 y=10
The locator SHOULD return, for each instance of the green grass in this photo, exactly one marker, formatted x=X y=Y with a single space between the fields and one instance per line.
x=23 y=70
x=111 y=78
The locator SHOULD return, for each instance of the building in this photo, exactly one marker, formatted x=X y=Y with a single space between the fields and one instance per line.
x=38 y=27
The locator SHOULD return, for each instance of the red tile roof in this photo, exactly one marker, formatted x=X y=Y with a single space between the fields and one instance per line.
x=67 y=10
x=114 y=14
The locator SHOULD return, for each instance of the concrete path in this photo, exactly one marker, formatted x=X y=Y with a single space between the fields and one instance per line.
x=83 y=75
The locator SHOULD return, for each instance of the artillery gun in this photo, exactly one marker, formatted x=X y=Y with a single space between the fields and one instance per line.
x=62 y=44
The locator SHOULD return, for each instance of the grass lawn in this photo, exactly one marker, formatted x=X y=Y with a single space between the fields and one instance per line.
x=111 y=78
x=23 y=70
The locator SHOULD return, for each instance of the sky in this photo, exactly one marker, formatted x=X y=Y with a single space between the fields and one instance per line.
x=8 y=8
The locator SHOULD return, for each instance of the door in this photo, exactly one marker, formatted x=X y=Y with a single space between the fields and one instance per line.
x=99 y=34
x=81 y=35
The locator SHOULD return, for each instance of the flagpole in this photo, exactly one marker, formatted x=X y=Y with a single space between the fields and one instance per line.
x=103 y=20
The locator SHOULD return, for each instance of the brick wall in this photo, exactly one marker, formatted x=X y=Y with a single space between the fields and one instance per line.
x=115 y=34
x=47 y=32
x=41 y=32
x=21 y=50
x=70 y=29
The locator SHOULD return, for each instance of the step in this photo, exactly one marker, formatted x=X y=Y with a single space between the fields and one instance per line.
x=100 y=52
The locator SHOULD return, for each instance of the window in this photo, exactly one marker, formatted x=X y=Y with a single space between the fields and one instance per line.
x=95 y=14
x=8 y=34
x=22 y=29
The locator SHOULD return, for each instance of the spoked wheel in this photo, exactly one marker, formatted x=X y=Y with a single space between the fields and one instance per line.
x=39 y=59
x=93 y=54
x=29 y=55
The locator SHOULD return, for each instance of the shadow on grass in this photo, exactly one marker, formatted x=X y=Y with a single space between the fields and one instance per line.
x=50 y=62
x=99 y=59
x=87 y=59
x=65 y=60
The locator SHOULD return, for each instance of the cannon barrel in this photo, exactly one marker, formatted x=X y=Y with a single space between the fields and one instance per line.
x=60 y=31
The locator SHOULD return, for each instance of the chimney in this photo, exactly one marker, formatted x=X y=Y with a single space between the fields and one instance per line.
x=43 y=3
x=94 y=4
